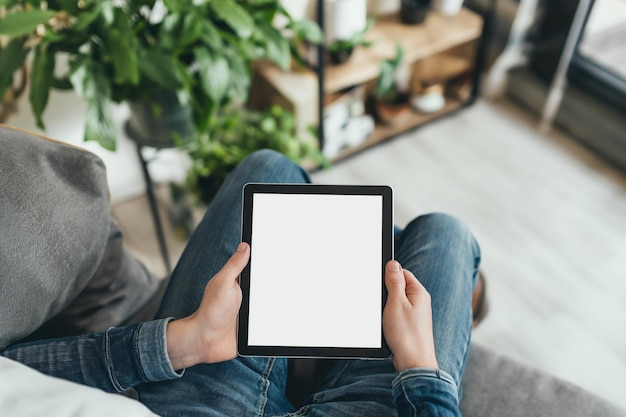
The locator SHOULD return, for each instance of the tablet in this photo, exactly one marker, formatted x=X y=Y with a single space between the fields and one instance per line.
x=314 y=286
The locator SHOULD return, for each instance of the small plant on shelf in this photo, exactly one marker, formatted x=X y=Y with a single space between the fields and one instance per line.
x=391 y=103
x=340 y=50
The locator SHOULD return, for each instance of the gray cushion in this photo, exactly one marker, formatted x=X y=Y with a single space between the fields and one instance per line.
x=61 y=254
x=495 y=386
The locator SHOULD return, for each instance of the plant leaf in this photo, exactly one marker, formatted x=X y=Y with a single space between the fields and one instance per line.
x=214 y=74
x=160 y=68
x=277 y=48
x=240 y=74
x=11 y=59
x=309 y=31
x=169 y=31
x=93 y=87
x=40 y=82
x=86 y=18
x=177 y=6
x=191 y=29
x=123 y=57
x=235 y=16
x=210 y=35
x=99 y=125
x=24 y=22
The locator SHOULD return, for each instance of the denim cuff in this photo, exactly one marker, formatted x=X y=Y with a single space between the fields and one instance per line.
x=138 y=354
x=152 y=346
x=428 y=377
x=432 y=391
x=424 y=373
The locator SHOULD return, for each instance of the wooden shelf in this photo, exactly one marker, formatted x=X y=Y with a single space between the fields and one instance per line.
x=383 y=132
x=436 y=50
x=436 y=34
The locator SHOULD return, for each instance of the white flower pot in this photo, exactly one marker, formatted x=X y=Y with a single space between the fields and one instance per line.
x=342 y=18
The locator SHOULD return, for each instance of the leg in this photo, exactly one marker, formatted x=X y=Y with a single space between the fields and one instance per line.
x=242 y=387
x=444 y=256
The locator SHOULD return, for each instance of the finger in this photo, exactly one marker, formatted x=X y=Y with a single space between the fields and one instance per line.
x=394 y=280
x=236 y=263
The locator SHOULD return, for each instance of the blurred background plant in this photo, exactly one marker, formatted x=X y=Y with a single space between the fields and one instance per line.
x=126 y=50
x=341 y=49
x=238 y=133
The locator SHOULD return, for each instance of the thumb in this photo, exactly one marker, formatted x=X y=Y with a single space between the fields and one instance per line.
x=394 y=280
x=236 y=263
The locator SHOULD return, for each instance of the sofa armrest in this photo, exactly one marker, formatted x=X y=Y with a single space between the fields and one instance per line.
x=495 y=386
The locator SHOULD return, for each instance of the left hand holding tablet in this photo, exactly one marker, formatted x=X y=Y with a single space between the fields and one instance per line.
x=209 y=335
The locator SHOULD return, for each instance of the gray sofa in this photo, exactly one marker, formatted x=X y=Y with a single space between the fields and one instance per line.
x=496 y=386
x=493 y=385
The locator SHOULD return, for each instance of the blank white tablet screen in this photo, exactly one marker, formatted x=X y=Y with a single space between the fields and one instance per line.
x=315 y=271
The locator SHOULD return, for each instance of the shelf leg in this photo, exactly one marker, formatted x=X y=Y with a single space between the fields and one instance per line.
x=155 y=211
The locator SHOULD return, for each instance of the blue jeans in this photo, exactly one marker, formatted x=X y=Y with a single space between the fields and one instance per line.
x=437 y=248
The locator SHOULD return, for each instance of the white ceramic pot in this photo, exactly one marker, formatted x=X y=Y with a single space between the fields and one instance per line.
x=342 y=18
x=448 y=7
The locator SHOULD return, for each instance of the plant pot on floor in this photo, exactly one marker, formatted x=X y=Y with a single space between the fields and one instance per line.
x=162 y=122
x=413 y=12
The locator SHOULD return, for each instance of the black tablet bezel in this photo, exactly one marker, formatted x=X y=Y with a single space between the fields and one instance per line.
x=387 y=254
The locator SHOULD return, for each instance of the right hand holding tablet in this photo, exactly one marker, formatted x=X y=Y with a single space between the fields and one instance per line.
x=407 y=320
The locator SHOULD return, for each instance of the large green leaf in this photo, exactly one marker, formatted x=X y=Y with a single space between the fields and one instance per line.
x=86 y=18
x=123 y=57
x=277 y=47
x=214 y=74
x=235 y=16
x=210 y=35
x=41 y=81
x=11 y=59
x=99 y=125
x=107 y=8
x=69 y=6
x=24 y=22
x=308 y=30
x=160 y=68
x=169 y=31
x=240 y=72
x=92 y=85
x=191 y=29
x=177 y=6
x=8 y=3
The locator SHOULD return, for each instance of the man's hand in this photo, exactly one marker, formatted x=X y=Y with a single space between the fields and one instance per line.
x=407 y=320
x=209 y=335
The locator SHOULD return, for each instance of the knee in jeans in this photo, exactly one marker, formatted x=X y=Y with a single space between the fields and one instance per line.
x=265 y=157
x=270 y=166
x=450 y=228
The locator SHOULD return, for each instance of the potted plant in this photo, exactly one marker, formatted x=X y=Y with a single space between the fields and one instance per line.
x=179 y=52
x=340 y=50
x=305 y=35
x=238 y=133
x=391 y=104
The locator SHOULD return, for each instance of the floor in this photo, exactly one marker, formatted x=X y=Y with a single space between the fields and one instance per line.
x=548 y=215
